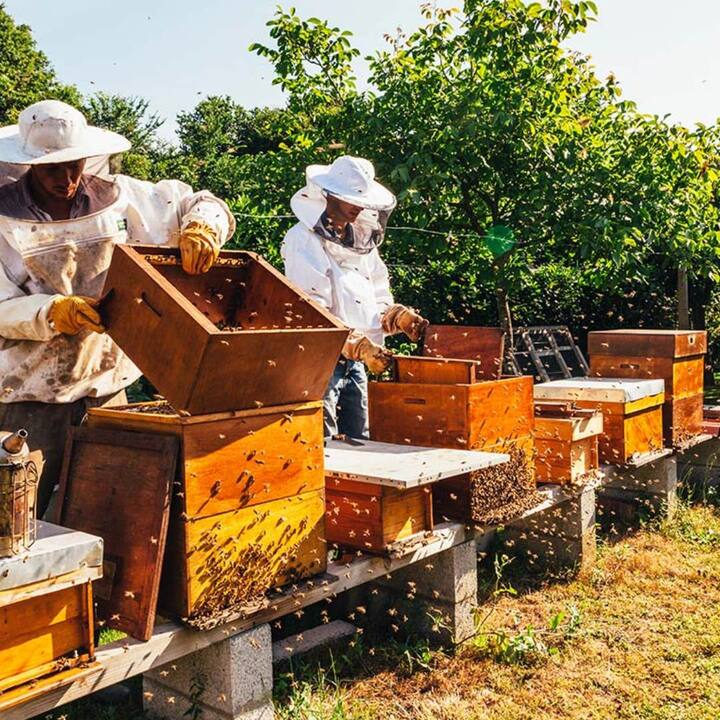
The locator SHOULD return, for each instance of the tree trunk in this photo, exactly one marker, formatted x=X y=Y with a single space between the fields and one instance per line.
x=683 y=303
x=504 y=315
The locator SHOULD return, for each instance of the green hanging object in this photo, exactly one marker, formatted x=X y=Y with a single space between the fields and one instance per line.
x=499 y=240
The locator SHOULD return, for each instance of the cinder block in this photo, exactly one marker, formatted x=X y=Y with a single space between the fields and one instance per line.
x=330 y=635
x=705 y=454
x=442 y=591
x=449 y=576
x=572 y=518
x=625 y=505
x=552 y=552
x=657 y=477
x=230 y=680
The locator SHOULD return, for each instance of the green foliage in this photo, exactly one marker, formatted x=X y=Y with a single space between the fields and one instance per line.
x=483 y=118
x=528 y=645
x=26 y=75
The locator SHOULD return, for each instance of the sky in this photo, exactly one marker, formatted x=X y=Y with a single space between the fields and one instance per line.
x=666 y=53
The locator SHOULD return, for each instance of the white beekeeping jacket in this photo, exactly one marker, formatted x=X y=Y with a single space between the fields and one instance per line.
x=41 y=261
x=354 y=287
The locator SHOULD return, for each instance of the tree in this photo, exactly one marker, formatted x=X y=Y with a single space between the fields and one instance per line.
x=26 y=75
x=489 y=129
x=129 y=116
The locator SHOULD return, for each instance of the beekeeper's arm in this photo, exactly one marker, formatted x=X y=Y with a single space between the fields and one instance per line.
x=23 y=316
x=396 y=318
x=170 y=213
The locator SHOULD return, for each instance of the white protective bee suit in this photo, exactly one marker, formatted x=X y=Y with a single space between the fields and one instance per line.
x=48 y=379
x=40 y=261
x=350 y=281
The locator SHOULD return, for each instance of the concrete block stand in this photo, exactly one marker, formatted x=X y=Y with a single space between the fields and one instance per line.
x=440 y=594
x=698 y=468
x=628 y=493
x=559 y=538
x=230 y=680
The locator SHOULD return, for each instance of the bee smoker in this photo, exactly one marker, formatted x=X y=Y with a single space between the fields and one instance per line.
x=18 y=492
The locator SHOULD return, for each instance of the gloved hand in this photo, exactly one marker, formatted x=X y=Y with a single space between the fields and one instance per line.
x=199 y=248
x=401 y=319
x=376 y=358
x=69 y=315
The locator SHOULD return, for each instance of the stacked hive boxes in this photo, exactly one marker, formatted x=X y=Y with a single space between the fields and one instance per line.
x=631 y=410
x=566 y=442
x=675 y=356
x=243 y=359
x=46 y=609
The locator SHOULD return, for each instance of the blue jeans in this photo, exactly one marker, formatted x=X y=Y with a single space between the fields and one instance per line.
x=345 y=406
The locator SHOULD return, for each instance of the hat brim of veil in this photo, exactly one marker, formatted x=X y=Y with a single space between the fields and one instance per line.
x=96 y=141
x=377 y=198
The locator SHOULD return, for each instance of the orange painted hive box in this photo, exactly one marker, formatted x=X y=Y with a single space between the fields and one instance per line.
x=675 y=356
x=379 y=495
x=631 y=410
x=46 y=610
x=566 y=442
x=248 y=505
x=240 y=336
x=445 y=403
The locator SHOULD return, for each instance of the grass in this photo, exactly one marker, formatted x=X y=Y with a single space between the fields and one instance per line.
x=637 y=638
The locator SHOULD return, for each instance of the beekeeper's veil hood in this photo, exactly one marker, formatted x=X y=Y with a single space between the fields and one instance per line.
x=353 y=180
x=51 y=131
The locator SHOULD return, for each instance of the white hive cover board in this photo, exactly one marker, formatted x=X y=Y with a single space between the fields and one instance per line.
x=401 y=466
x=611 y=390
x=56 y=552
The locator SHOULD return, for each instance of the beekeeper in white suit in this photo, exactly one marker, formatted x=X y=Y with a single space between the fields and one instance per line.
x=58 y=226
x=332 y=254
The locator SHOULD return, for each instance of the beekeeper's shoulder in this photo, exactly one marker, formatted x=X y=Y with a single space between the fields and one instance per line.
x=299 y=240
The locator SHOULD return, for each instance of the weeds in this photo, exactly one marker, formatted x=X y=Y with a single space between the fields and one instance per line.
x=529 y=645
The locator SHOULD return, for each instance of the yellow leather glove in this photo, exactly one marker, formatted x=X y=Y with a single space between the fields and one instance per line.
x=376 y=358
x=401 y=319
x=69 y=315
x=199 y=248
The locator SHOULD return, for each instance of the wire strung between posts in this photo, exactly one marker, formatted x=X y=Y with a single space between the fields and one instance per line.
x=447 y=233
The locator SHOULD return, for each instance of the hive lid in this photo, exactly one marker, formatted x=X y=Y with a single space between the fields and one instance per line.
x=608 y=390
x=402 y=466
x=57 y=552
x=647 y=343
x=282 y=347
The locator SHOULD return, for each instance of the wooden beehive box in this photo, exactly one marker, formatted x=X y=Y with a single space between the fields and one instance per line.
x=675 y=356
x=484 y=345
x=496 y=416
x=379 y=495
x=248 y=511
x=566 y=442
x=46 y=608
x=631 y=410
x=428 y=406
x=239 y=336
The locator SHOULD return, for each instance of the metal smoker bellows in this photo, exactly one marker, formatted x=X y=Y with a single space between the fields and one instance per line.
x=18 y=491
